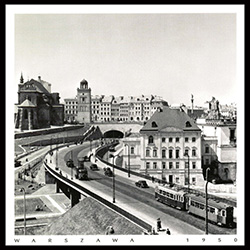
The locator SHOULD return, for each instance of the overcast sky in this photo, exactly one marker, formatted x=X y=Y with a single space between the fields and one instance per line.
x=170 y=55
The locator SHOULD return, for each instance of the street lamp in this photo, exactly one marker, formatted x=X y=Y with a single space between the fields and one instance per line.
x=113 y=179
x=186 y=154
x=128 y=160
x=24 y=207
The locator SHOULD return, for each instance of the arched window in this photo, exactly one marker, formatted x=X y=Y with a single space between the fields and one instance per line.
x=150 y=139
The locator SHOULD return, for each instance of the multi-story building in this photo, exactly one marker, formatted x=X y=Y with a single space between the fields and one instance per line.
x=168 y=147
x=95 y=107
x=99 y=108
x=71 y=109
x=105 y=108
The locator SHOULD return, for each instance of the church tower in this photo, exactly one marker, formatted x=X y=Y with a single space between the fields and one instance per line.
x=84 y=102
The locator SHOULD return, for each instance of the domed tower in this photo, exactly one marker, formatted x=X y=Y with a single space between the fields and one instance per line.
x=84 y=102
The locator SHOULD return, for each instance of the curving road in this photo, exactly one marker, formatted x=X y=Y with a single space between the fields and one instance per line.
x=136 y=200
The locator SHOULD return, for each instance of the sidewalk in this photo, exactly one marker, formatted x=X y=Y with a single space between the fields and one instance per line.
x=57 y=203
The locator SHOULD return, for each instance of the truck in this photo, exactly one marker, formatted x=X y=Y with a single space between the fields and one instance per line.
x=81 y=170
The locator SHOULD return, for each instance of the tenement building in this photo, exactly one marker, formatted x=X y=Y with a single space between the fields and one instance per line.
x=87 y=108
x=167 y=147
x=37 y=106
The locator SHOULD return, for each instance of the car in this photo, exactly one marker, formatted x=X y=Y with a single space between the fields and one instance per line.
x=111 y=149
x=17 y=163
x=94 y=167
x=108 y=172
x=141 y=184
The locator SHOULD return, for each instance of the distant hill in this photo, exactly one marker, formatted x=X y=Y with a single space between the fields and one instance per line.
x=90 y=217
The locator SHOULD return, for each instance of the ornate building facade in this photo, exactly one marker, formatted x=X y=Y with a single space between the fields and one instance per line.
x=168 y=147
x=37 y=107
x=87 y=108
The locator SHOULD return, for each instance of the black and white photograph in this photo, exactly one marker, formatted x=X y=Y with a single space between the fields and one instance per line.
x=125 y=124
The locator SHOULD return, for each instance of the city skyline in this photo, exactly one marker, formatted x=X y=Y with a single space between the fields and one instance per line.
x=131 y=54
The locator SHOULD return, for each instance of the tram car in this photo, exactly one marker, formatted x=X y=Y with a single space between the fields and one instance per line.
x=81 y=170
x=219 y=213
x=171 y=196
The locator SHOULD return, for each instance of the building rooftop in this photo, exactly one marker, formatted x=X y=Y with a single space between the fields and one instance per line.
x=168 y=120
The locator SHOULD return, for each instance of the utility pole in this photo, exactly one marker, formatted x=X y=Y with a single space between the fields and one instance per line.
x=206 y=202
x=24 y=209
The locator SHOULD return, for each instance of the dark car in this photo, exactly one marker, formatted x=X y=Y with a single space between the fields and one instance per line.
x=94 y=167
x=108 y=172
x=141 y=184
x=17 y=163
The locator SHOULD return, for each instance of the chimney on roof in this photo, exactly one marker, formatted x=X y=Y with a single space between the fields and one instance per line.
x=39 y=78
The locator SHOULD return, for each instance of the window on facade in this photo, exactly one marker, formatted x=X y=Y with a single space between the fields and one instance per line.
x=193 y=152
x=170 y=139
x=193 y=165
x=193 y=180
x=207 y=149
x=177 y=139
x=150 y=139
x=186 y=152
x=170 y=153
x=154 y=165
x=154 y=153
x=163 y=153
x=188 y=124
x=132 y=150
x=177 y=165
x=232 y=137
x=177 y=153
x=170 y=165
x=193 y=139
x=163 y=165
x=186 y=139
x=177 y=180
x=147 y=165
x=147 y=152
x=163 y=139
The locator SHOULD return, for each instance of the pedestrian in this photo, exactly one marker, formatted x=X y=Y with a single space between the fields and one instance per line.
x=110 y=230
x=158 y=224
x=168 y=231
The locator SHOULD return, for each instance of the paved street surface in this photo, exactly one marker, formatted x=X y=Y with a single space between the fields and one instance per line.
x=139 y=202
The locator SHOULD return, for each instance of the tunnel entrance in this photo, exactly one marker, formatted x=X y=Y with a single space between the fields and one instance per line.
x=113 y=134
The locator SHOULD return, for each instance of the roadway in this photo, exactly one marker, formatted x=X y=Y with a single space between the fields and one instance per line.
x=137 y=201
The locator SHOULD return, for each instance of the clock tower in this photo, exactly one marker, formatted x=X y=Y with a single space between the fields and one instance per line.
x=84 y=102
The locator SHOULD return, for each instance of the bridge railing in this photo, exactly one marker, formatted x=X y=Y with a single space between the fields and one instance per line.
x=119 y=210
